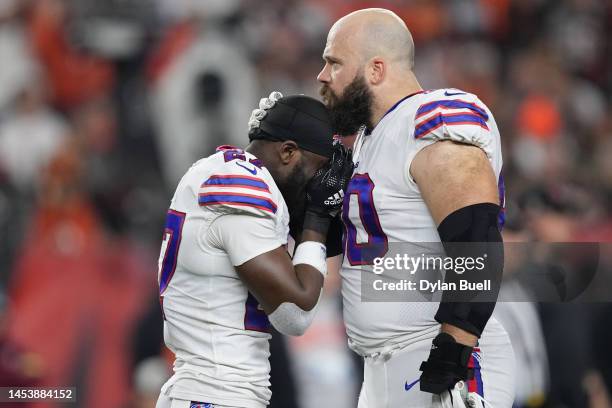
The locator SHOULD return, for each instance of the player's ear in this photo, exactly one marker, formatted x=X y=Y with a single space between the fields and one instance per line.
x=375 y=71
x=288 y=151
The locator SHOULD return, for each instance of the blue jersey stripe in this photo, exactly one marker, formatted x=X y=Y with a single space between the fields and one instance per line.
x=453 y=119
x=478 y=377
x=237 y=199
x=452 y=104
x=236 y=181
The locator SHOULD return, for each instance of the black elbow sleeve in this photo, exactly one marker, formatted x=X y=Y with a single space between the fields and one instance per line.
x=472 y=232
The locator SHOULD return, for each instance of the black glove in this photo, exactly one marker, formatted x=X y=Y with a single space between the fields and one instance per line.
x=325 y=192
x=446 y=366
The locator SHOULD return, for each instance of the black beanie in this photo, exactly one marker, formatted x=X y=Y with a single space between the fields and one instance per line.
x=300 y=118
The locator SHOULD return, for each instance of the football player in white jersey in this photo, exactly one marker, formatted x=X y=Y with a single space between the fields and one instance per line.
x=224 y=271
x=427 y=170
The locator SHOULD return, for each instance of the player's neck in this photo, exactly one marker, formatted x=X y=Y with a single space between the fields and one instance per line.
x=392 y=95
x=257 y=148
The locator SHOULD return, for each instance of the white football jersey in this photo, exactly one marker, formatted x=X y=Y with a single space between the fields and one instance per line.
x=226 y=210
x=383 y=205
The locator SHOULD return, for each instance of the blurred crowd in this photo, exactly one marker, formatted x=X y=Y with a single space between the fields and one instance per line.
x=105 y=104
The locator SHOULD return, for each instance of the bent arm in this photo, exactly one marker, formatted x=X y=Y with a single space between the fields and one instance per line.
x=287 y=290
x=454 y=179
x=273 y=279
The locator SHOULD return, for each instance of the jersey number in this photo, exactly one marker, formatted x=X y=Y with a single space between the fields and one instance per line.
x=238 y=154
x=377 y=244
x=170 y=247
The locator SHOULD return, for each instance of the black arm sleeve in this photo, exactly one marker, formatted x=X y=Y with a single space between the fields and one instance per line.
x=334 y=237
x=472 y=231
x=334 y=234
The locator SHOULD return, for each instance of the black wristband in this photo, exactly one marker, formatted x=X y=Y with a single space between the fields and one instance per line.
x=317 y=222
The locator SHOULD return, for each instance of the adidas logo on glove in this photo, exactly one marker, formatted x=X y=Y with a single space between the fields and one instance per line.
x=335 y=199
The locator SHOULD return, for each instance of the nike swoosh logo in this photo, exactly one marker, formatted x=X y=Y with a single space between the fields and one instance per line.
x=252 y=171
x=454 y=93
x=407 y=386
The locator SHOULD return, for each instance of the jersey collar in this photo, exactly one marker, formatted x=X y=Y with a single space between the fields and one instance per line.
x=395 y=105
x=400 y=101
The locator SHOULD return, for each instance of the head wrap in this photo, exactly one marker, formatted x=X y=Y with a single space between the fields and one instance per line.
x=300 y=118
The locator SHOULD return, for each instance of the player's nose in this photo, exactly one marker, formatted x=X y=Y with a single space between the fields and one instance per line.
x=324 y=76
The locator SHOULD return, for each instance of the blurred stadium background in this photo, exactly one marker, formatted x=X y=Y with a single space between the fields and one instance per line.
x=105 y=104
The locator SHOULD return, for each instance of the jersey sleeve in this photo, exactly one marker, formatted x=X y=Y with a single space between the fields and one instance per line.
x=462 y=119
x=237 y=193
x=243 y=237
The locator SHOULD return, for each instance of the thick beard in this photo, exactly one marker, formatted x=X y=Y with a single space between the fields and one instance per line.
x=351 y=109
